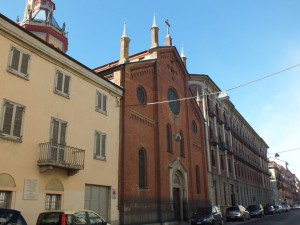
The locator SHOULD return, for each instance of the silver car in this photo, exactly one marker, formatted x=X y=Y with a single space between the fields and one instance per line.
x=237 y=212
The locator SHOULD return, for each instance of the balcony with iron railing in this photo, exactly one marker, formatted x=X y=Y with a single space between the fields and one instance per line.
x=52 y=155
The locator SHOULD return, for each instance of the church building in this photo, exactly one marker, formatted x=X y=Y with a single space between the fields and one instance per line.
x=163 y=168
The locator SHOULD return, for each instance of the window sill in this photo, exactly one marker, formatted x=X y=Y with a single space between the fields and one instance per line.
x=67 y=96
x=18 y=74
x=99 y=158
x=11 y=138
x=101 y=111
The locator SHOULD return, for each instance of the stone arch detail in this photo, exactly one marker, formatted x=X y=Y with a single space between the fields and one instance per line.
x=54 y=185
x=178 y=183
x=7 y=180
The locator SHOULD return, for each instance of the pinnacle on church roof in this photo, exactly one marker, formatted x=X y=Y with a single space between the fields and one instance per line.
x=182 y=53
x=124 y=32
x=154 y=22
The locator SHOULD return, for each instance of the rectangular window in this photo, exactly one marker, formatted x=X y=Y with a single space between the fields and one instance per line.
x=62 y=84
x=52 y=202
x=100 y=146
x=18 y=62
x=58 y=140
x=5 y=197
x=12 y=120
x=101 y=100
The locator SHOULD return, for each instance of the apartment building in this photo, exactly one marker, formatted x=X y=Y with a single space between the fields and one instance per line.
x=285 y=184
x=236 y=154
x=59 y=129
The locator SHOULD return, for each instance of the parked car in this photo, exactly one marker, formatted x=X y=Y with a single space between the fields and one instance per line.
x=278 y=209
x=237 y=213
x=286 y=207
x=208 y=216
x=256 y=210
x=11 y=216
x=70 y=217
x=269 y=210
x=295 y=207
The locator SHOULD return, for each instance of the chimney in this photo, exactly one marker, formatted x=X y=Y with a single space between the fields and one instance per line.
x=124 y=51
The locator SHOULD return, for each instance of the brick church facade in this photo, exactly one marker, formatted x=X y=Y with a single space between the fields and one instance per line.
x=163 y=167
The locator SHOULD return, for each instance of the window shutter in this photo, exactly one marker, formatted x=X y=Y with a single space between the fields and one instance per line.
x=8 y=113
x=66 y=84
x=15 y=59
x=99 y=100
x=104 y=102
x=18 y=121
x=98 y=141
x=103 y=143
x=55 y=129
x=24 y=64
x=59 y=81
x=63 y=129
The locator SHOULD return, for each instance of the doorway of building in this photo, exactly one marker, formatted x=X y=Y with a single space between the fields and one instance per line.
x=176 y=204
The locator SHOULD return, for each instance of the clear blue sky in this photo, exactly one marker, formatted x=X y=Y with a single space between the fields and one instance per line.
x=232 y=41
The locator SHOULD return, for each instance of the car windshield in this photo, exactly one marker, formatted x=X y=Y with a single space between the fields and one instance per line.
x=253 y=207
x=203 y=211
x=233 y=208
x=5 y=216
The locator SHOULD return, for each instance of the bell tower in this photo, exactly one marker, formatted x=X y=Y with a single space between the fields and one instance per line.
x=39 y=19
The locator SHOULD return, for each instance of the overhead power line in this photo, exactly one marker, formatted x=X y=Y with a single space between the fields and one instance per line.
x=262 y=78
x=219 y=92
x=294 y=149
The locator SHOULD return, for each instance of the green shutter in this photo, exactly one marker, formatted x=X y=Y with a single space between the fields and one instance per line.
x=66 y=84
x=103 y=143
x=98 y=141
x=15 y=59
x=55 y=129
x=18 y=121
x=63 y=129
x=8 y=114
x=104 y=103
x=59 y=81
x=24 y=64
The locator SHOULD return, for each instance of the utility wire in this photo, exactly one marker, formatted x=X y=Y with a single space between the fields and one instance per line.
x=262 y=78
x=294 y=149
x=230 y=89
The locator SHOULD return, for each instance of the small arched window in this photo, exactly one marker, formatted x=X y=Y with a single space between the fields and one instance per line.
x=197 y=172
x=142 y=168
x=182 y=153
x=169 y=138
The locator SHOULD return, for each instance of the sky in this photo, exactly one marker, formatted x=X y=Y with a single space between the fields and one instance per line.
x=232 y=41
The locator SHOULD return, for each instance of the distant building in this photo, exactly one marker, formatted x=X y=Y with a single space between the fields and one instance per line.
x=163 y=176
x=237 y=155
x=59 y=129
x=285 y=185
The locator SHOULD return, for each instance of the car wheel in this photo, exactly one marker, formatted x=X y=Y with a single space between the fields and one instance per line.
x=222 y=222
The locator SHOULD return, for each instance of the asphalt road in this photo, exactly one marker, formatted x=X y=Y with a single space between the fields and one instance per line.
x=288 y=218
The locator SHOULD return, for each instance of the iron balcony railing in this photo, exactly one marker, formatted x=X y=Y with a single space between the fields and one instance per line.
x=52 y=154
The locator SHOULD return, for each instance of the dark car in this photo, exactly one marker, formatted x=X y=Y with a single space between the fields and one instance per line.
x=237 y=213
x=256 y=210
x=208 y=216
x=11 y=216
x=269 y=210
x=70 y=217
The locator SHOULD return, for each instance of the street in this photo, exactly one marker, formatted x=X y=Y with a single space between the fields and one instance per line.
x=287 y=218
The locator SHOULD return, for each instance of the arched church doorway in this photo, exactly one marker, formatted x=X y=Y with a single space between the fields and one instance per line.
x=178 y=180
